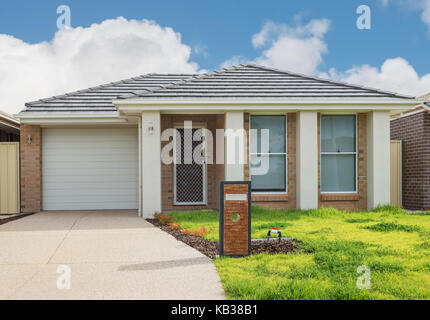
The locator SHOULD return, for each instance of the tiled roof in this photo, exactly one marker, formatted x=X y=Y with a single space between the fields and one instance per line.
x=100 y=98
x=256 y=82
x=240 y=82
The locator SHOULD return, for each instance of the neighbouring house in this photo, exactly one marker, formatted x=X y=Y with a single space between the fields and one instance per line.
x=413 y=129
x=101 y=148
x=9 y=128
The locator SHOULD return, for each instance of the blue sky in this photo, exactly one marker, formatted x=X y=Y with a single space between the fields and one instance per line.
x=217 y=34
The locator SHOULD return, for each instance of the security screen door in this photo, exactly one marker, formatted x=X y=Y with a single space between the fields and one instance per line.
x=189 y=170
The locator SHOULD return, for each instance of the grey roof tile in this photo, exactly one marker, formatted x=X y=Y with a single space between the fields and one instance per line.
x=100 y=98
x=239 y=82
x=257 y=82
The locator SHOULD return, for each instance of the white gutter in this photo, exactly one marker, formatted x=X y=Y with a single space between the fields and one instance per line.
x=77 y=115
x=136 y=105
x=253 y=102
x=69 y=118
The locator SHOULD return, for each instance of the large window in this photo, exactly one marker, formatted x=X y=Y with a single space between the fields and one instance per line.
x=268 y=154
x=338 y=153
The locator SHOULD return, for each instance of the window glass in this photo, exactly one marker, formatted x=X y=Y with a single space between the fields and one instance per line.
x=338 y=134
x=275 y=178
x=276 y=127
x=338 y=173
x=268 y=165
x=338 y=153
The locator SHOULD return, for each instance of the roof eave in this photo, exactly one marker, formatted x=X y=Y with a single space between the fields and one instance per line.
x=82 y=118
x=311 y=104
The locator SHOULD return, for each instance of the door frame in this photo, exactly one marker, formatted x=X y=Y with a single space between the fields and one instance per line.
x=195 y=125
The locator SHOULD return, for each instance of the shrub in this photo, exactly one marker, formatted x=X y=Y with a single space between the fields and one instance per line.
x=163 y=218
x=199 y=233
x=174 y=225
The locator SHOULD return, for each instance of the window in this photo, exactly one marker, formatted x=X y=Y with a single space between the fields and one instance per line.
x=268 y=161
x=338 y=153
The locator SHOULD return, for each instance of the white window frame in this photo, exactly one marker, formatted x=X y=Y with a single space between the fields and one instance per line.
x=286 y=153
x=339 y=153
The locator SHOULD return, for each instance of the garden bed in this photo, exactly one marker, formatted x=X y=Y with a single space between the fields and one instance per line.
x=211 y=248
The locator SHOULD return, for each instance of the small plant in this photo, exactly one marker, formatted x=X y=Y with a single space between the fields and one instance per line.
x=198 y=233
x=174 y=225
x=388 y=208
x=389 y=226
x=164 y=219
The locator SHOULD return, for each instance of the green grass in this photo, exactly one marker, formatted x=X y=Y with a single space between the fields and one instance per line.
x=395 y=245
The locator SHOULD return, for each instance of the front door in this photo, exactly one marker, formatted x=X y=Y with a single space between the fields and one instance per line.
x=189 y=168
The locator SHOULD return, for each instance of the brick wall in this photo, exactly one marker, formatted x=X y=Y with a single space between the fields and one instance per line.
x=414 y=131
x=215 y=173
x=235 y=232
x=31 y=169
x=349 y=202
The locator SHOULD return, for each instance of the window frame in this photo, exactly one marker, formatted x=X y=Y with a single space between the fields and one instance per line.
x=268 y=192
x=340 y=153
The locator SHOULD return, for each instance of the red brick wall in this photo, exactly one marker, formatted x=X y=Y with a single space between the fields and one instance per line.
x=349 y=202
x=414 y=131
x=31 y=169
x=235 y=232
x=215 y=173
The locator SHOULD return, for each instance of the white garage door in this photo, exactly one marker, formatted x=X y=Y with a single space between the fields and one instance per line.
x=90 y=168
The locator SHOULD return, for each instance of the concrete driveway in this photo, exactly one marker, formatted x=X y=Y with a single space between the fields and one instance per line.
x=109 y=255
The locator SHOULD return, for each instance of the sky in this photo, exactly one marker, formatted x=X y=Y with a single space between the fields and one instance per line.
x=113 y=40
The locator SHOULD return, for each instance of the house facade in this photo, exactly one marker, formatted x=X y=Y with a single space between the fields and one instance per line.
x=413 y=129
x=302 y=142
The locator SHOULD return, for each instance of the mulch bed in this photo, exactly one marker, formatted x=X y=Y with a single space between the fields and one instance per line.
x=211 y=248
x=6 y=220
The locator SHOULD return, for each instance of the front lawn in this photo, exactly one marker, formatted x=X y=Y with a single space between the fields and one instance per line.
x=393 y=244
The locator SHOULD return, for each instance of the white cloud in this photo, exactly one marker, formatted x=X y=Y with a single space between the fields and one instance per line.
x=201 y=49
x=298 y=49
x=425 y=16
x=412 y=5
x=301 y=49
x=234 y=61
x=395 y=75
x=80 y=57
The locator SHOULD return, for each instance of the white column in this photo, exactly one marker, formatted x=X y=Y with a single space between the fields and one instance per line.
x=378 y=158
x=234 y=146
x=151 y=163
x=140 y=165
x=307 y=160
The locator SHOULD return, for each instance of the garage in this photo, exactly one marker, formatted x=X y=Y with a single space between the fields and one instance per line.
x=90 y=168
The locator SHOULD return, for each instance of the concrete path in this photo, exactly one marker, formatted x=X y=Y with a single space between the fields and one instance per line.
x=110 y=255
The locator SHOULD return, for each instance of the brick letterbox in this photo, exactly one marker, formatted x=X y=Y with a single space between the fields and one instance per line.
x=235 y=218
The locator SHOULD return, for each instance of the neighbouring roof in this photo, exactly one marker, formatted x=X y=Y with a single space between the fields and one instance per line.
x=8 y=122
x=8 y=117
x=239 y=82
x=425 y=97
